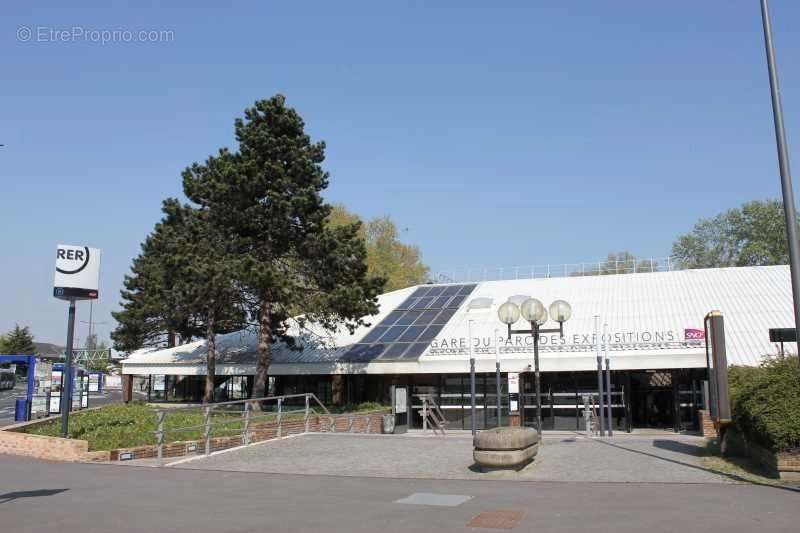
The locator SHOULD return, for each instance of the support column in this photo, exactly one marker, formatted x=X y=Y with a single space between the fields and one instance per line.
x=676 y=402
x=337 y=389
x=127 y=388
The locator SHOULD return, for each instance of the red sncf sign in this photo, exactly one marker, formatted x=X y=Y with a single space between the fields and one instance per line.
x=691 y=334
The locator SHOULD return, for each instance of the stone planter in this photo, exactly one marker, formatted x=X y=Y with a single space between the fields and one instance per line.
x=505 y=448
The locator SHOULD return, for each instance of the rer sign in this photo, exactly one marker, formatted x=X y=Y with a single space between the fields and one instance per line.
x=77 y=272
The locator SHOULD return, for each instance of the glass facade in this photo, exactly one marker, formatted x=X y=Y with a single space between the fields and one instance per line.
x=190 y=389
x=666 y=399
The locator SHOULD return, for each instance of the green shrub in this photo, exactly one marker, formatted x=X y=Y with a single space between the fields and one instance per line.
x=766 y=403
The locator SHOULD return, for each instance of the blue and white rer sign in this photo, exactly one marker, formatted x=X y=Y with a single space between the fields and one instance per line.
x=77 y=273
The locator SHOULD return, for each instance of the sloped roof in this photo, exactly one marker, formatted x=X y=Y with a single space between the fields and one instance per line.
x=648 y=315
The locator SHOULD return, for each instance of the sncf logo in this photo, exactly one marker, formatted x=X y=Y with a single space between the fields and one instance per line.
x=690 y=334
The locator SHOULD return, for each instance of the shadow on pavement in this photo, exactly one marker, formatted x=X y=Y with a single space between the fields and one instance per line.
x=9 y=496
x=680 y=447
x=696 y=451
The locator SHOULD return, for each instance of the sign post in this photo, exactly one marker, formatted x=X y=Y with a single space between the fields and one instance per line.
x=76 y=278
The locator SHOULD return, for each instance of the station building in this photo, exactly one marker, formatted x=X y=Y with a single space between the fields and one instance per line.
x=421 y=339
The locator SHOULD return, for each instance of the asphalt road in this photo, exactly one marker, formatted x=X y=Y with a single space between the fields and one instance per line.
x=8 y=397
x=41 y=497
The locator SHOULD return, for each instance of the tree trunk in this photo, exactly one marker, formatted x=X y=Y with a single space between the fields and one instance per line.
x=211 y=360
x=170 y=339
x=262 y=364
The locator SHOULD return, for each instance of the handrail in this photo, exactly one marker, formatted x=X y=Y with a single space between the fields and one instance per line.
x=248 y=400
x=245 y=419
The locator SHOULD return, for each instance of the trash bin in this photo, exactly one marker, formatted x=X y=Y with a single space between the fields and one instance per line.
x=21 y=410
x=388 y=423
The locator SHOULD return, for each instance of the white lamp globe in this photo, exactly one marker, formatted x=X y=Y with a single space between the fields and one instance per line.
x=532 y=310
x=508 y=313
x=560 y=311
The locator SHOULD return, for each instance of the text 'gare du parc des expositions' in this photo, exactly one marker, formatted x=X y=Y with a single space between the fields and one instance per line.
x=579 y=342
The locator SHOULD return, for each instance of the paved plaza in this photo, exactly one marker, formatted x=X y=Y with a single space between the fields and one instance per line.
x=43 y=497
x=661 y=459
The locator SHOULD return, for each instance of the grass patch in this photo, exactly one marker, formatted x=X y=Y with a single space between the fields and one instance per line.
x=134 y=424
x=738 y=468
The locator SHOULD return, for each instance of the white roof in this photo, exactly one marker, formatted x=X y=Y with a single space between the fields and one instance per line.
x=649 y=315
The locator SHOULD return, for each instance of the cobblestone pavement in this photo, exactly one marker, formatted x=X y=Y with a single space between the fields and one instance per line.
x=673 y=459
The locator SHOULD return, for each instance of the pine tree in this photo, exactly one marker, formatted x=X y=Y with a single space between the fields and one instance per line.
x=153 y=311
x=18 y=341
x=267 y=198
x=207 y=287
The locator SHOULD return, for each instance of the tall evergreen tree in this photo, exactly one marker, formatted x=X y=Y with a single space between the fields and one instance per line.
x=267 y=197
x=18 y=341
x=153 y=311
x=208 y=287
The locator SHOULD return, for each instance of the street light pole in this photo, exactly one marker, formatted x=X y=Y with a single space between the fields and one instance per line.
x=66 y=375
x=534 y=312
x=783 y=165
x=609 y=415
x=537 y=381
x=497 y=368
x=472 y=376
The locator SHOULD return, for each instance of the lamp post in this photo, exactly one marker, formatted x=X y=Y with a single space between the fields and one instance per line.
x=497 y=376
x=783 y=166
x=534 y=312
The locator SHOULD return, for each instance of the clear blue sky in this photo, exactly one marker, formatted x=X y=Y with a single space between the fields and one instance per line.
x=498 y=136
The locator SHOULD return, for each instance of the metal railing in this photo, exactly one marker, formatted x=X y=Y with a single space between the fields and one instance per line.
x=238 y=418
x=432 y=415
x=593 y=268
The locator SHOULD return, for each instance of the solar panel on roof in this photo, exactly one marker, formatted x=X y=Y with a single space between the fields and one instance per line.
x=392 y=333
x=440 y=302
x=391 y=318
x=436 y=291
x=415 y=350
x=408 y=318
x=422 y=303
x=430 y=333
x=408 y=303
x=444 y=316
x=395 y=351
x=426 y=317
x=375 y=334
x=411 y=334
x=406 y=332
x=452 y=290
x=466 y=289
x=457 y=301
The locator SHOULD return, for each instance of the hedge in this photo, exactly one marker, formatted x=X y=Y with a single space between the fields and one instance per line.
x=766 y=403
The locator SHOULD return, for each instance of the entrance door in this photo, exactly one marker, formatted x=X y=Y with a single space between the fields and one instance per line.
x=652 y=403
